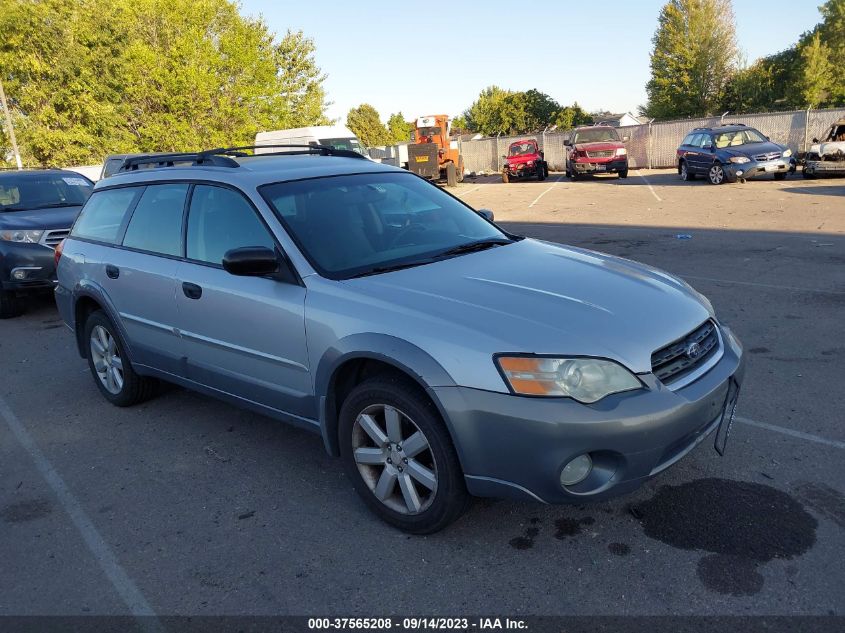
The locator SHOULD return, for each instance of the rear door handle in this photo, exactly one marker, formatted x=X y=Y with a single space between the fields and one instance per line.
x=113 y=272
x=192 y=291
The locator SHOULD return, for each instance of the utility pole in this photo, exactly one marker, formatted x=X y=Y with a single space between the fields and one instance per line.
x=11 y=128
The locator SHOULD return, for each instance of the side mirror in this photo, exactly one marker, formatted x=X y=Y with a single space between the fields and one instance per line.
x=487 y=214
x=768 y=138
x=504 y=157
x=251 y=261
x=815 y=140
x=567 y=142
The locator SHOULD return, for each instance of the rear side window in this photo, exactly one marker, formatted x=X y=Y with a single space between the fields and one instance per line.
x=102 y=216
x=219 y=220
x=156 y=224
x=688 y=139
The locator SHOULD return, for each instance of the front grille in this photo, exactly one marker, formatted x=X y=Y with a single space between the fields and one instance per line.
x=761 y=158
x=605 y=153
x=681 y=357
x=52 y=238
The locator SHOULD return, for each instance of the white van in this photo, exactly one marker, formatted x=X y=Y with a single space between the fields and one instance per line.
x=336 y=136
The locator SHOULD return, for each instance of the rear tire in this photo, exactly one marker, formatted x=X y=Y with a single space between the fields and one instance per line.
x=10 y=304
x=541 y=173
x=808 y=175
x=685 y=173
x=110 y=365
x=372 y=451
x=460 y=173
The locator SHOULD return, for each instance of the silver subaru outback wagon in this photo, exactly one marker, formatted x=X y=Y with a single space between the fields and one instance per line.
x=438 y=355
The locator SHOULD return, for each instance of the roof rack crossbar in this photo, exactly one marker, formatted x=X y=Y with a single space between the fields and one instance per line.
x=224 y=156
x=323 y=150
x=133 y=163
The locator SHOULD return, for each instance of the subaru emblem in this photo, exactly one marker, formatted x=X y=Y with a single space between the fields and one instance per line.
x=693 y=351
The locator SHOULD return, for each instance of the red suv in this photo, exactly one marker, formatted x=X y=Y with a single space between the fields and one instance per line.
x=524 y=160
x=596 y=150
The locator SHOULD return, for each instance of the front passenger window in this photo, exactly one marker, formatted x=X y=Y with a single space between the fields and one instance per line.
x=219 y=220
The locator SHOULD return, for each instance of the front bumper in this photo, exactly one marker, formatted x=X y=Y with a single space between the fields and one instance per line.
x=599 y=166
x=754 y=169
x=37 y=262
x=521 y=171
x=516 y=447
x=824 y=168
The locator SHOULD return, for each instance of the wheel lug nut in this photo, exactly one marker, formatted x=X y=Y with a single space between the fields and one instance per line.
x=389 y=461
x=398 y=447
x=400 y=469
x=405 y=459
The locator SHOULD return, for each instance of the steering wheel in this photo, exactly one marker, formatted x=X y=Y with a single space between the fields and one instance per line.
x=410 y=229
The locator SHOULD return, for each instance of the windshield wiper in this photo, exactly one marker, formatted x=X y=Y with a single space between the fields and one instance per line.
x=386 y=269
x=480 y=245
x=57 y=205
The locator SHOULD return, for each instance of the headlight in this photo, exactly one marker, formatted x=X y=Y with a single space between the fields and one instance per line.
x=739 y=159
x=787 y=153
x=529 y=163
x=587 y=380
x=621 y=151
x=27 y=237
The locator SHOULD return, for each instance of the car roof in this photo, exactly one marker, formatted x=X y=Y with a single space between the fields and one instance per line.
x=254 y=171
x=33 y=172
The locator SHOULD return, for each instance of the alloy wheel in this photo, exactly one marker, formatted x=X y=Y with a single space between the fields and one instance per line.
x=684 y=172
x=394 y=459
x=107 y=361
x=717 y=174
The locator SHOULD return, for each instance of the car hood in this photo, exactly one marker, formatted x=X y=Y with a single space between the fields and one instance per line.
x=522 y=158
x=51 y=218
x=830 y=147
x=599 y=146
x=543 y=298
x=753 y=149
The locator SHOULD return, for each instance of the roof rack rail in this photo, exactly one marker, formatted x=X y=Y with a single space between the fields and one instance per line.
x=224 y=156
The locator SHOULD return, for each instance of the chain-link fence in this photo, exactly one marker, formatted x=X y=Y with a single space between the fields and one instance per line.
x=654 y=144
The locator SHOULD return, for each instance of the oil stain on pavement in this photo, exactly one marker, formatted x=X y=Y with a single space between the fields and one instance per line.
x=23 y=511
x=741 y=524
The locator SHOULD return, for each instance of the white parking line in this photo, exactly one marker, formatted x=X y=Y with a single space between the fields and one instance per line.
x=792 y=433
x=131 y=595
x=463 y=193
x=650 y=188
x=537 y=199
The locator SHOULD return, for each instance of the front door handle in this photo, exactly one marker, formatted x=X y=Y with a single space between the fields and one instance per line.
x=113 y=272
x=192 y=291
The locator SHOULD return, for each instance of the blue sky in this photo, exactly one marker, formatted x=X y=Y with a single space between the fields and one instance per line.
x=379 y=52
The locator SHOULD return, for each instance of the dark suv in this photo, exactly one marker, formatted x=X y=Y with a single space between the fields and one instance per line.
x=728 y=153
x=37 y=209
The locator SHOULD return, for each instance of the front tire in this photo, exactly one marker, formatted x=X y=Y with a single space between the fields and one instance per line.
x=10 y=305
x=110 y=365
x=541 y=173
x=623 y=173
x=717 y=175
x=400 y=457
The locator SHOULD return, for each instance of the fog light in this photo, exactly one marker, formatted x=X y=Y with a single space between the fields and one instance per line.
x=576 y=471
x=19 y=274
x=739 y=172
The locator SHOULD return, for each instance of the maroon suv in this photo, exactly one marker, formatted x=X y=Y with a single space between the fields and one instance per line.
x=596 y=150
x=524 y=160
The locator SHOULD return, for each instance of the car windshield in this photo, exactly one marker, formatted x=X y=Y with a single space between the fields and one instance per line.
x=362 y=224
x=25 y=191
x=738 y=137
x=595 y=135
x=344 y=143
x=517 y=149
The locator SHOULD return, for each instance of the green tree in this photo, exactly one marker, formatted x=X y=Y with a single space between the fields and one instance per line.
x=500 y=111
x=572 y=116
x=365 y=123
x=832 y=32
x=694 y=56
x=88 y=78
x=814 y=79
x=399 y=130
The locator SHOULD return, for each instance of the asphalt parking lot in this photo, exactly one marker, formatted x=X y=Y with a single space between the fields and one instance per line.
x=184 y=505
